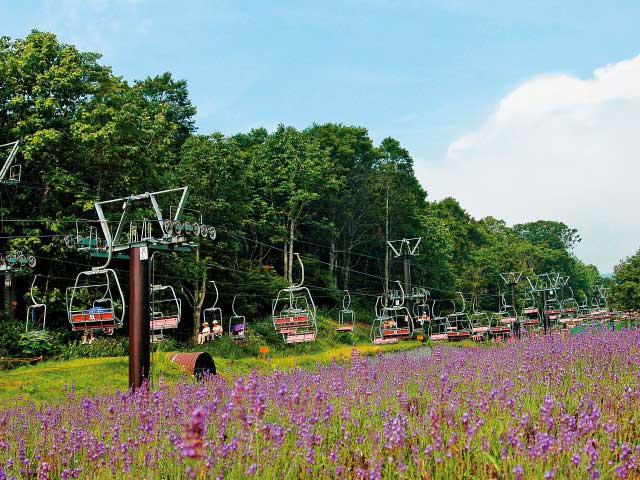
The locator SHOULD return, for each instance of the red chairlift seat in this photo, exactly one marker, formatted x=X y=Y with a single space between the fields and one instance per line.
x=161 y=323
x=291 y=322
x=383 y=341
x=300 y=337
x=529 y=322
x=94 y=318
x=480 y=329
x=509 y=320
x=396 y=332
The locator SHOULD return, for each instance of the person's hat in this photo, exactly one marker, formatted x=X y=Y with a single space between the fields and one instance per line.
x=205 y=323
x=215 y=322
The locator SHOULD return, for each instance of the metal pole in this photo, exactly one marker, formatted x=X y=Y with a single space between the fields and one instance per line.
x=407 y=274
x=516 y=323
x=407 y=280
x=139 y=350
x=545 y=318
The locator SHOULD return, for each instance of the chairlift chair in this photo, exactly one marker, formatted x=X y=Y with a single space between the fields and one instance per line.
x=213 y=313
x=502 y=321
x=376 y=326
x=569 y=311
x=530 y=320
x=393 y=321
x=421 y=310
x=459 y=325
x=439 y=324
x=36 y=324
x=293 y=312
x=166 y=311
x=480 y=322
x=599 y=308
x=553 y=308
x=346 y=316
x=237 y=323
x=90 y=302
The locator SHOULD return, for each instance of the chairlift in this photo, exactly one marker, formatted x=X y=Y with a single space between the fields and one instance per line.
x=392 y=322
x=166 y=311
x=293 y=312
x=237 y=323
x=569 y=311
x=346 y=316
x=599 y=308
x=213 y=313
x=583 y=309
x=36 y=324
x=502 y=321
x=552 y=308
x=459 y=327
x=530 y=320
x=439 y=324
x=376 y=326
x=421 y=310
x=480 y=322
x=90 y=302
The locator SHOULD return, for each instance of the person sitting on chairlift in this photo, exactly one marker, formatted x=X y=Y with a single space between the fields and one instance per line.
x=205 y=334
x=424 y=319
x=88 y=338
x=216 y=330
x=391 y=323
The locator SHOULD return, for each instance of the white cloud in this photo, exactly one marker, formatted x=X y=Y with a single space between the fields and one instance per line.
x=560 y=148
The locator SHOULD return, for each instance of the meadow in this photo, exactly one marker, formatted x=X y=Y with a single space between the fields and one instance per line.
x=545 y=407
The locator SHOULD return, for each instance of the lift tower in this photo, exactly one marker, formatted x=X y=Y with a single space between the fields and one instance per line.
x=144 y=223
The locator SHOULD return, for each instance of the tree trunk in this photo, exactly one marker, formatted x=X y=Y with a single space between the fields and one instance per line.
x=292 y=229
x=198 y=300
x=199 y=292
x=347 y=269
x=285 y=253
x=9 y=296
x=333 y=262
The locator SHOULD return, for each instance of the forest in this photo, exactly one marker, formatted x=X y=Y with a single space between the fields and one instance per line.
x=328 y=192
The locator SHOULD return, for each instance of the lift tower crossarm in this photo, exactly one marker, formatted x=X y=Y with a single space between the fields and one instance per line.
x=112 y=241
x=12 y=155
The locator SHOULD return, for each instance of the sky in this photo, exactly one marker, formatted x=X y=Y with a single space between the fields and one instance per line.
x=521 y=110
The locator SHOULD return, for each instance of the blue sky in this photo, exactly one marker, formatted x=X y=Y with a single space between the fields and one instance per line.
x=427 y=73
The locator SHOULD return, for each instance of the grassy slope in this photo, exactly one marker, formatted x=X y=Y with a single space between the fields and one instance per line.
x=47 y=380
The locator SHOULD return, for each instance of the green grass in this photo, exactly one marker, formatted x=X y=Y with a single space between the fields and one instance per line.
x=47 y=380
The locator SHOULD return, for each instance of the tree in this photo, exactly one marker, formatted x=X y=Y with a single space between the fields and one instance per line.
x=552 y=234
x=212 y=166
x=626 y=290
x=291 y=172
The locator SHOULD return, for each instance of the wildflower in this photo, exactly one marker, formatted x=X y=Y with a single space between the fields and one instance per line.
x=192 y=445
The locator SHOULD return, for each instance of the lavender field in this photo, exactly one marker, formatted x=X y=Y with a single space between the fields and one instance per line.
x=542 y=408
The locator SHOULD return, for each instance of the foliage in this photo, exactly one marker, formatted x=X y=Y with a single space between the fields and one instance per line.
x=626 y=287
x=327 y=192
x=102 y=347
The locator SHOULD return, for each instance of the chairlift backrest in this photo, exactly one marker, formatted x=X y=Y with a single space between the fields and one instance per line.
x=346 y=300
x=213 y=312
x=237 y=323
x=36 y=312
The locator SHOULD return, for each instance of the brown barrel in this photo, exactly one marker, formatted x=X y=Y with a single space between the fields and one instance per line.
x=196 y=363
